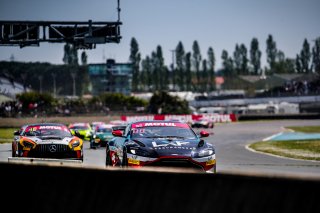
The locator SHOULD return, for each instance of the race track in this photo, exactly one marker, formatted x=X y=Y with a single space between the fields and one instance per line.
x=230 y=141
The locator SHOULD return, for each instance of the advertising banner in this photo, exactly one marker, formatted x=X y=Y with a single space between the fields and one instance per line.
x=217 y=118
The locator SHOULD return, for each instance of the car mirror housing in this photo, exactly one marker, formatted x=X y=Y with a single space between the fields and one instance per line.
x=111 y=143
x=17 y=132
x=117 y=133
x=204 y=134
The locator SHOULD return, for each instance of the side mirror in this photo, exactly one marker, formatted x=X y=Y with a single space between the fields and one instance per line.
x=204 y=134
x=16 y=133
x=117 y=133
x=111 y=143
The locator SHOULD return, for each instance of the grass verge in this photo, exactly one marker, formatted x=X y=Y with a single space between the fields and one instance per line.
x=300 y=149
x=305 y=129
x=6 y=134
x=297 y=149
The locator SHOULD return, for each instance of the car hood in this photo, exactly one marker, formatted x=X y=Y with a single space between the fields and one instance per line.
x=50 y=140
x=170 y=147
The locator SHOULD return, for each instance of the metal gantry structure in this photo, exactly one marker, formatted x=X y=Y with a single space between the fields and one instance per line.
x=83 y=35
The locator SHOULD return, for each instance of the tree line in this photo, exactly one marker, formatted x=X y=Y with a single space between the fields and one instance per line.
x=190 y=71
x=193 y=72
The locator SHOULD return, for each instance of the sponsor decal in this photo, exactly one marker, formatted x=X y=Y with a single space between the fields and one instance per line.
x=211 y=162
x=217 y=118
x=35 y=128
x=133 y=161
x=165 y=144
x=50 y=127
x=52 y=148
x=159 y=124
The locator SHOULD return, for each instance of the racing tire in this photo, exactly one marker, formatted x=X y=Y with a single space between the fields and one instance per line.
x=91 y=145
x=124 y=159
x=108 y=160
x=13 y=151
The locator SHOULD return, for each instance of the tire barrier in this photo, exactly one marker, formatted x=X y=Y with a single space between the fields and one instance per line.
x=40 y=188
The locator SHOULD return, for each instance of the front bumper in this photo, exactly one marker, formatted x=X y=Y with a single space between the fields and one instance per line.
x=61 y=151
x=206 y=164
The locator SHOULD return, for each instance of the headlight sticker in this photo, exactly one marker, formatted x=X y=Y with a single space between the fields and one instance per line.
x=211 y=162
x=133 y=161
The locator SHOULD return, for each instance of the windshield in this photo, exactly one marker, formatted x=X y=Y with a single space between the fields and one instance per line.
x=104 y=130
x=156 y=132
x=79 y=127
x=43 y=131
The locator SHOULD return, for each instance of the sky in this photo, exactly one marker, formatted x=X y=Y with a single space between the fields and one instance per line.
x=220 y=24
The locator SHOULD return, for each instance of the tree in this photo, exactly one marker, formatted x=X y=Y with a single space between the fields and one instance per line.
x=66 y=56
x=204 y=76
x=168 y=104
x=271 y=52
x=74 y=56
x=160 y=69
x=316 y=55
x=84 y=58
x=298 y=64
x=188 y=71
x=305 y=56
x=196 y=60
x=147 y=70
x=211 y=65
x=244 y=59
x=180 y=54
x=255 y=56
x=283 y=64
x=135 y=58
x=70 y=56
x=237 y=59
x=227 y=64
x=155 y=76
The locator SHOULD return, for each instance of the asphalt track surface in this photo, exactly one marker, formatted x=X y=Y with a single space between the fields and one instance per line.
x=230 y=141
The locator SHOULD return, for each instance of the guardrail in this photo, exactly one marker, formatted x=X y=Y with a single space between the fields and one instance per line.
x=39 y=188
x=44 y=161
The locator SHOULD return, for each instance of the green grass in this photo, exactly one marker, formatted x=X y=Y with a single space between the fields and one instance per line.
x=306 y=150
x=298 y=149
x=306 y=129
x=6 y=134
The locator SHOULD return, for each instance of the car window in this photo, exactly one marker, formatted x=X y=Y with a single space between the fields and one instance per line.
x=79 y=127
x=104 y=130
x=162 y=132
x=43 y=131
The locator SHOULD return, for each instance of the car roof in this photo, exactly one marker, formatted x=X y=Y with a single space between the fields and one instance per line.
x=158 y=121
x=46 y=124
x=80 y=124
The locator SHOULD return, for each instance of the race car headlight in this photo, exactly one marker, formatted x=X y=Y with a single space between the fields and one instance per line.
x=203 y=153
x=132 y=151
x=28 y=144
x=75 y=143
x=206 y=152
x=142 y=152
